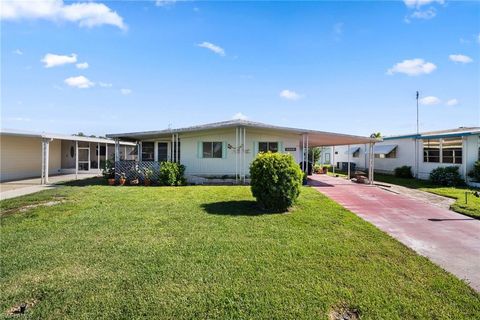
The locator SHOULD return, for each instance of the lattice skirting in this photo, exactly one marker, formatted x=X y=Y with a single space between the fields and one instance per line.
x=136 y=170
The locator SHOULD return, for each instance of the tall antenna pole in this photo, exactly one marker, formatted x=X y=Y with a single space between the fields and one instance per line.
x=416 y=142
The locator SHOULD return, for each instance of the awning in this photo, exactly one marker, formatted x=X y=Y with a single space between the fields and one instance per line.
x=352 y=150
x=383 y=148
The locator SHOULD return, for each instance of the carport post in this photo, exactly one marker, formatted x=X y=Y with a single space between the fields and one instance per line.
x=306 y=164
x=106 y=154
x=348 y=170
x=117 y=150
x=47 y=151
x=76 y=159
x=333 y=158
x=42 y=181
x=98 y=157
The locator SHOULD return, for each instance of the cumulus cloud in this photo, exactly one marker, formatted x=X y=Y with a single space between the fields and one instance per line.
x=239 y=116
x=125 y=92
x=420 y=3
x=424 y=14
x=429 y=101
x=460 y=58
x=164 y=3
x=80 y=82
x=83 y=65
x=86 y=14
x=452 y=102
x=413 y=67
x=289 y=95
x=213 y=47
x=53 y=60
x=105 y=85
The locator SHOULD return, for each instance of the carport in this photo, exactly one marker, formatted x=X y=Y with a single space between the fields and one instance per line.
x=313 y=139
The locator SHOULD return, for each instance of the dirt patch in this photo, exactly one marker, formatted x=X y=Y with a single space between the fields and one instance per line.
x=344 y=312
x=33 y=206
x=21 y=308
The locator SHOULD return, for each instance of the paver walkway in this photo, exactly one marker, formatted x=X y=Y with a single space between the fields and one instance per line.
x=447 y=238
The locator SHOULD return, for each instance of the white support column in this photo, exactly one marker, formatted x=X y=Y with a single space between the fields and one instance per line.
x=76 y=160
x=117 y=150
x=42 y=177
x=98 y=157
x=348 y=170
x=47 y=159
x=106 y=154
x=333 y=160
x=306 y=164
x=139 y=150
x=236 y=154
x=244 y=147
x=178 y=149
x=303 y=153
x=172 y=152
x=125 y=153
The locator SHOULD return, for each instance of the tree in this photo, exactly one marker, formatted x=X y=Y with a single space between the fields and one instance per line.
x=316 y=152
x=376 y=135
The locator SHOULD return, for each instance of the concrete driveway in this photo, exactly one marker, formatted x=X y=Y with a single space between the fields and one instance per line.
x=447 y=238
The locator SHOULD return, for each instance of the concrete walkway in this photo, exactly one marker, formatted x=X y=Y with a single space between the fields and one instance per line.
x=13 y=189
x=447 y=238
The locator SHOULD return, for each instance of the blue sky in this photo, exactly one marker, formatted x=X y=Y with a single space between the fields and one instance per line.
x=350 y=67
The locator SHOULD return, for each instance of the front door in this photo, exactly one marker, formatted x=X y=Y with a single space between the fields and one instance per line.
x=83 y=159
x=162 y=151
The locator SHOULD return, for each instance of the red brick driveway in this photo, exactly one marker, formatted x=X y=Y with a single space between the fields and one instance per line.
x=447 y=238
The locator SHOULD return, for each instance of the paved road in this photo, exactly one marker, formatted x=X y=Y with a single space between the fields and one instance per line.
x=447 y=238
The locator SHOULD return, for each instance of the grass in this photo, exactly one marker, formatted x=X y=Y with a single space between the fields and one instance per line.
x=470 y=208
x=209 y=252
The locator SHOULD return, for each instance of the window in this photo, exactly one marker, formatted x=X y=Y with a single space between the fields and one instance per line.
x=431 y=150
x=102 y=150
x=147 y=151
x=162 y=152
x=391 y=154
x=212 y=149
x=356 y=154
x=452 y=150
x=268 y=146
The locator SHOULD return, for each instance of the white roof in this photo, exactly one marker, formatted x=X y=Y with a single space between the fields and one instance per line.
x=316 y=138
x=45 y=135
x=384 y=148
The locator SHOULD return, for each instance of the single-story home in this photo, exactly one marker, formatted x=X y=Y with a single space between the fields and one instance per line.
x=227 y=148
x=423 y=152
x=30 y=155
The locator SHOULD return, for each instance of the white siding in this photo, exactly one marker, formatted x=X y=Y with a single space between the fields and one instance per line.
x=196 y=165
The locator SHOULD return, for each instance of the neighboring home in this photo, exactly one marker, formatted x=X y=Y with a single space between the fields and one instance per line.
x=227 y=148
x=31 y=155
x=455 y=147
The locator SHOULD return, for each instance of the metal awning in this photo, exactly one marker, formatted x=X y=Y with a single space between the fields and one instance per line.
x=384 y=149
x=353 y=150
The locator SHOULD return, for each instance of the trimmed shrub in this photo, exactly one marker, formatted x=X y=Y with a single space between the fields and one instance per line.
x=171 y=174
x=403 y=172
x=446 y=176
x=275 y=180
x=475 y=173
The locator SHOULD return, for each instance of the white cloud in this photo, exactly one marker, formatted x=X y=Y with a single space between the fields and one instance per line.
x=460 y=58
x=429 y=101
x=164 y=3
x=125 y=91
x=105 y=85
x=80 y=82
x=208 y=45
x=18 y=51
x=83 y=65
x=424 y=14
x=452 y=102
x=289 y=95
x=54 y=60
x=420 y=3
x=86 y=14
x=239 y=116
x=413 y=67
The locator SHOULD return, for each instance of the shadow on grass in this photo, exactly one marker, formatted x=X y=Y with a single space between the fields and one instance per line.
x=95 y=181
x=236 y=208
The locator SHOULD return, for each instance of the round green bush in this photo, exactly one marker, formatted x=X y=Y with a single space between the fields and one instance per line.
x=171 y=174
x=275 y=180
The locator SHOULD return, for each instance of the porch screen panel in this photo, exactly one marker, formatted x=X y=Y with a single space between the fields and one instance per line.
x=148 y=151
x=431 y=150
x=452 y=150
x=162 y=151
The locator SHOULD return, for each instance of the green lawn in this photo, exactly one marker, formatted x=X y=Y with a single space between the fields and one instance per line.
x=470 y=208
x=209 y=252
